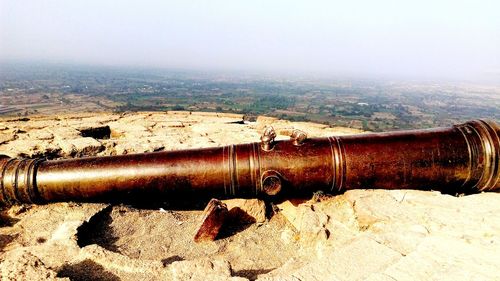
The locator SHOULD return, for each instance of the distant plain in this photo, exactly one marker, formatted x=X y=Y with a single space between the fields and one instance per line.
x=368 y=104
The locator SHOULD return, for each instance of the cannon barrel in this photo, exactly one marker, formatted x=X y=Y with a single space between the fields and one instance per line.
x=458 y=159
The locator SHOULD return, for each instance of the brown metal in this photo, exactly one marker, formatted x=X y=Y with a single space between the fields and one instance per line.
x=298 y=137
x=267 y=138
x=463 y=158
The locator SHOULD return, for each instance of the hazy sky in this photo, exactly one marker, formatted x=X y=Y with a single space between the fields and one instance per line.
x=420 y=38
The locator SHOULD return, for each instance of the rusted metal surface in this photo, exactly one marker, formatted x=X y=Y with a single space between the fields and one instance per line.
x=462 y=158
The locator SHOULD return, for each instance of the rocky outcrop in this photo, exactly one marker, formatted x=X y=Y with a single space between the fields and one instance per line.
x=246 y=210
x=111 y=134
x=358 y=235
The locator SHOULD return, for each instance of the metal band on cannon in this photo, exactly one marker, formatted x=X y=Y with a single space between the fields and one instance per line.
x=18 y=184
x=483 y=139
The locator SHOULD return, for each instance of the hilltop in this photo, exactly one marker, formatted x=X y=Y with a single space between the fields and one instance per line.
x=357 y=235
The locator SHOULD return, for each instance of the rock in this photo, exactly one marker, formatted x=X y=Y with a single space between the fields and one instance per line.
x=288 y=236
x=321 y=218
x=48 y=240
x=213 y=218
x=439 y=258
x=356 y=260
x=201 y=270
x=29 y=148
x=80 y=146
x=5 y=137
x=246 y=210
x=41 y=134
x=147 y=144
x=129 y=131
x=291 y=213
x=22 y=265
x=18 y=147
x=63 y=132
x=310 y=222
x=41 y=122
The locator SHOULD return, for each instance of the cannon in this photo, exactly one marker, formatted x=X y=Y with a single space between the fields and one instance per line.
x=463 y=158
